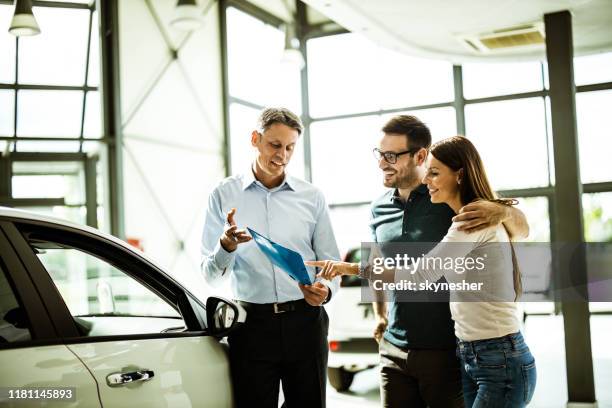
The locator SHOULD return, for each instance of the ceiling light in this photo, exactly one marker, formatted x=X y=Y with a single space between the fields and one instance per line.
x=292 y=55
x=187 y=16
x=23 y=22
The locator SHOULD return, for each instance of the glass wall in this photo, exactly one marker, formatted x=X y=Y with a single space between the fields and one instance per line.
x=50 y=106
x=354 y=87
x=258 y=78
x=59 y=103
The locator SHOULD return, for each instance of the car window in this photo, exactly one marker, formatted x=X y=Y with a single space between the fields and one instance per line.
x=104 y=300
x=14 y=323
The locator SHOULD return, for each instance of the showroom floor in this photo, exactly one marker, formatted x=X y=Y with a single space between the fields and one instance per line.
x=544 y=334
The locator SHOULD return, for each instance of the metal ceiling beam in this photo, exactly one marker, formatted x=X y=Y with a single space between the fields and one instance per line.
x=324 y=30
x=44 y=156
x=32 y=202
x=233 y=99
x=53 y=139
x=384 y=111
x=54 y=4
x=20 y=87
x=256 y=12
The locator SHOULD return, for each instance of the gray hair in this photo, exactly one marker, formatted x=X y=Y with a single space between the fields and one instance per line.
x=270 y=116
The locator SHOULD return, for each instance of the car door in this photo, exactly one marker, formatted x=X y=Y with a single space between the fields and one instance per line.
x=35 y=364
x=140 y=334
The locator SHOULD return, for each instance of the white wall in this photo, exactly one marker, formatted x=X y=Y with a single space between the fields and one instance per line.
x=173 y=140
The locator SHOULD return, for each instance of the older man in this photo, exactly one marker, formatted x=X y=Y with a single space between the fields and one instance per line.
x=285 y=336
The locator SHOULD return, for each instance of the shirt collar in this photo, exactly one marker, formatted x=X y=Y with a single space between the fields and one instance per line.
x=421 y=189
x=249 y=179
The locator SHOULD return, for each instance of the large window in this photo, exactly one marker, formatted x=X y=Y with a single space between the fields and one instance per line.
x=597 y=213
x=337 y=145
x=594 y=135
x=593 y=69
x=493 y=79
x=537 y=214
x=258 y=78
x=519 y=126
x=355 y=86
x=256 y=73
x=522 y=124
x=349 y=74
x=50 y=107
x=57 y=105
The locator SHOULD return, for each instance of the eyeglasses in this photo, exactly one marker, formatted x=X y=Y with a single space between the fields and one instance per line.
x=391 y=157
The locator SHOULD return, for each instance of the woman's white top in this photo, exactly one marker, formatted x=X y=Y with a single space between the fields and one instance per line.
x=478 y=314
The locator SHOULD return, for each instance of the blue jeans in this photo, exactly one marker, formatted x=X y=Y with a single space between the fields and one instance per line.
x=497 y=372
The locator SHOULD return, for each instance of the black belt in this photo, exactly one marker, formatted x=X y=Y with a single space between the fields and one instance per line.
x=275 y=308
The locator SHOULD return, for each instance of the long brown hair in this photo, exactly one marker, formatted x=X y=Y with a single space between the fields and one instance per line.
x=459 y=153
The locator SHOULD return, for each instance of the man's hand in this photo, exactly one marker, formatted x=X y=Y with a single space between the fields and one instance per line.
x=481 y=214
x=314 y=294
x=380 y=328
x=232 y=236
x=331 y=269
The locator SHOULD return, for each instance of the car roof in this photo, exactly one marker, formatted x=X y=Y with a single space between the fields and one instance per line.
x=15 y=214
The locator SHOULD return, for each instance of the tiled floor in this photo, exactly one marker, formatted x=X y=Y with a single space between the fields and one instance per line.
x=544 y=335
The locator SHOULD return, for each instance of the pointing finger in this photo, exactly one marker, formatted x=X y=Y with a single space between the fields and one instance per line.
x=319 y=264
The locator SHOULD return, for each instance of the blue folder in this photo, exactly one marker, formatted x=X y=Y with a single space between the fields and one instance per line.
x=285 y=258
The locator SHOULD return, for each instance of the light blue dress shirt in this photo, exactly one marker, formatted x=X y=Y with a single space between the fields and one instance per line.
x=293 y=214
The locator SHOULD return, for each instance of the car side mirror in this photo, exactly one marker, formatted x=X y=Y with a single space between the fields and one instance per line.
x=223 y=316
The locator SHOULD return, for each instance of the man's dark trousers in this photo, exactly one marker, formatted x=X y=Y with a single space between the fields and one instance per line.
x=289 y=347
x=419 y=378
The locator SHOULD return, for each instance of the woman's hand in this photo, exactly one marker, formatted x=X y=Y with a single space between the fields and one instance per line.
x=331 y=269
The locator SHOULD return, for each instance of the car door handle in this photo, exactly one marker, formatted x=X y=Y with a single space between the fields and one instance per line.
x=117 y=379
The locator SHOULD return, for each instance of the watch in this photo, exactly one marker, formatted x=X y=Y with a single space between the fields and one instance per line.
x=365 y=271
x=329 y=295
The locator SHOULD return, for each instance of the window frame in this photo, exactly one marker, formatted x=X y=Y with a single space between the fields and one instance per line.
x=85 y=88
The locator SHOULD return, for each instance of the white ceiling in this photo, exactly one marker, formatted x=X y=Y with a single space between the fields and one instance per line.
x=431 y=28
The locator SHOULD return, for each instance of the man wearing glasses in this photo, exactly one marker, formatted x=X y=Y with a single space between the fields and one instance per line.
x=416 y=336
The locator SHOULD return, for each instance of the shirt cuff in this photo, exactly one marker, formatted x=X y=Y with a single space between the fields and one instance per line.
x=329 y=296
x=222 y=257
x=330 y=286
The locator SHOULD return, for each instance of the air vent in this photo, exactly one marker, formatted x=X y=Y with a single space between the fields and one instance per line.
x=524 y=36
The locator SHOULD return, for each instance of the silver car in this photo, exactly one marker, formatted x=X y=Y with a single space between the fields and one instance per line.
x=87 y=320
x=351 y=340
